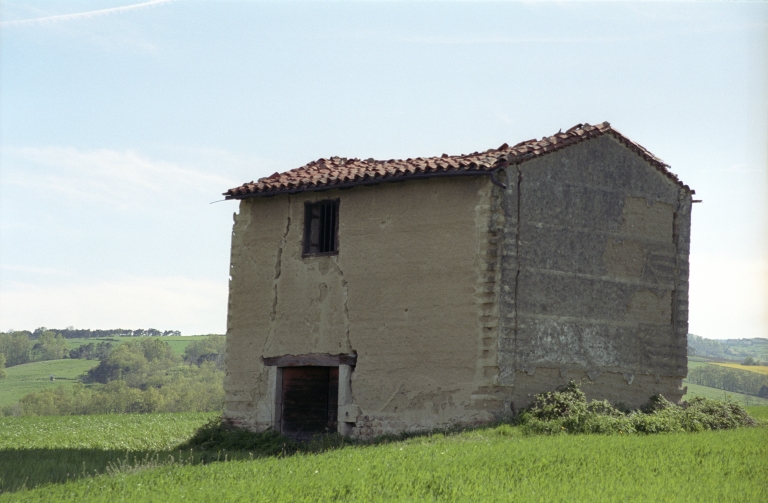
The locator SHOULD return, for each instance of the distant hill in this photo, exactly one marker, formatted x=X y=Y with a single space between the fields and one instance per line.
x=735 y=350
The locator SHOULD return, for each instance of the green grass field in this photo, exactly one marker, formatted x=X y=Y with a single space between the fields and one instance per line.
x=54 y=449
x=718 y=394
x=177 y=343
x=693 y=363
x=55 y=459
x=35 y=376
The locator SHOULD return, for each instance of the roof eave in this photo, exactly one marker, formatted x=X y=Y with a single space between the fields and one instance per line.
x=369 y=182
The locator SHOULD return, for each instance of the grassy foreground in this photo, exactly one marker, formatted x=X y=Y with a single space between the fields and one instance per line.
x=491 y=464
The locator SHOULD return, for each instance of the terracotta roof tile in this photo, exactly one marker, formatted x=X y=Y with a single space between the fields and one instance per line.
x=339 y=172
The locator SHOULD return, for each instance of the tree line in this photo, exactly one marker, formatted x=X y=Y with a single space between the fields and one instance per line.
x=22 y=346
x=139 y=376
x=730 y=349
x=19 y=347
x=85 y=333
x=730 y=379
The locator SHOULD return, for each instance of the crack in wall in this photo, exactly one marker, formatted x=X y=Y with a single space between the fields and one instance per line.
x=278 y=271
x=517 y=253
x=345 y=295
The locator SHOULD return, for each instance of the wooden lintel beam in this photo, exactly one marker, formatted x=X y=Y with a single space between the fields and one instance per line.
x=310 y=360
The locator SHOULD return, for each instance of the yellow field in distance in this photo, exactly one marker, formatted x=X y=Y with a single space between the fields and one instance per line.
x=758 y=369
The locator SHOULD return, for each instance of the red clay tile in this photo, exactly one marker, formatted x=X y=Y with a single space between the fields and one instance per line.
x=339 y=171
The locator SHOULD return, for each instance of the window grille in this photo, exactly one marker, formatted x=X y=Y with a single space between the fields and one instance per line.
x=321 y=223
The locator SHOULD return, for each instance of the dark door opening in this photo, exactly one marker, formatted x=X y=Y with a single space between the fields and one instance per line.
x=310 y=399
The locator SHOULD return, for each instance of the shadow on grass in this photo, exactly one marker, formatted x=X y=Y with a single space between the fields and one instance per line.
x=217 y=441
x=219 y=435
x=28 y=468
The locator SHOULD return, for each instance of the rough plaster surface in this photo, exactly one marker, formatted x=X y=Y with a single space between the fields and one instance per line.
x=462 y=299
x=595 y=281
x=410 y=293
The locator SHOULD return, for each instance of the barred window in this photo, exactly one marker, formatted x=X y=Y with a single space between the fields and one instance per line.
x=321 y=228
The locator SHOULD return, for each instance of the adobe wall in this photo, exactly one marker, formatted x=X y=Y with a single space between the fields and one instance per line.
x=594 y=276
x=412 y=292
x=462 y=299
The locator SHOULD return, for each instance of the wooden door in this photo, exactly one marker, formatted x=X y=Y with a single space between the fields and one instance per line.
x=310 y=398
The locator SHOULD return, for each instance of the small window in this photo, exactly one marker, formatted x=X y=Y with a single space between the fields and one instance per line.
x=321 y=223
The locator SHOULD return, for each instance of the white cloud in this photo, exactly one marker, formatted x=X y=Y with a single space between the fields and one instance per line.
x=82 y=15
x=122 y=178
x=47 y=271
x=164 y=303
x=728 y=297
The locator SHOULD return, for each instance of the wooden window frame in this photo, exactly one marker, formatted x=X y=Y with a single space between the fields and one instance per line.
x=308 y=218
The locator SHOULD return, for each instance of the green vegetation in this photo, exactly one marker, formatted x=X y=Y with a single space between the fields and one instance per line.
x=754 y=367
x=133 y=362
x=135 y=455
x=17 y=348
x=140 y=375
x=32 y=377
x=729 y=379
x=177 y=343
x=565 y=411
x=127 y=432
x=568 y=411
x=210 y=348
x=84 y=333
x=50 y=346
x=694 y=390
x=92 y=350
x=730 y=349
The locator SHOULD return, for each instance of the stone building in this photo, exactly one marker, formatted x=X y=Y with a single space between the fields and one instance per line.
x=367 y=306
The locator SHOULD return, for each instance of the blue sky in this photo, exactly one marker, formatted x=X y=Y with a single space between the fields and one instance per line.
x=121 y=122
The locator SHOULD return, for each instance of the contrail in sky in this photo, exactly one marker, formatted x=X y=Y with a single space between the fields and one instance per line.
x=83 y=15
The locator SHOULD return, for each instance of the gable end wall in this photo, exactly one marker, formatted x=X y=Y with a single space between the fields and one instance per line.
x=595 y=276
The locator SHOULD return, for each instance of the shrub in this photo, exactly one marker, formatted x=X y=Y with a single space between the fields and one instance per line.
x=221 y=435
x=92 y=351
x=134 y=361
x=16 y=347
x=568 y=411
x=50 y=346
x=181 y=388
x=209 y=349
x=218 y=434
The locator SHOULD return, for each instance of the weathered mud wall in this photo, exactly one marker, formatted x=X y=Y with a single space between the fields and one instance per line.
x=594 y=276
x=462 y=299
x=412 y=292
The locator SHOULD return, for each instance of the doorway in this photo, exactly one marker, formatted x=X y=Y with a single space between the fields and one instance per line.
x=310 y=397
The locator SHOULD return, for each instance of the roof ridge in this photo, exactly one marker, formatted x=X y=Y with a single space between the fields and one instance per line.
x=339 y=172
